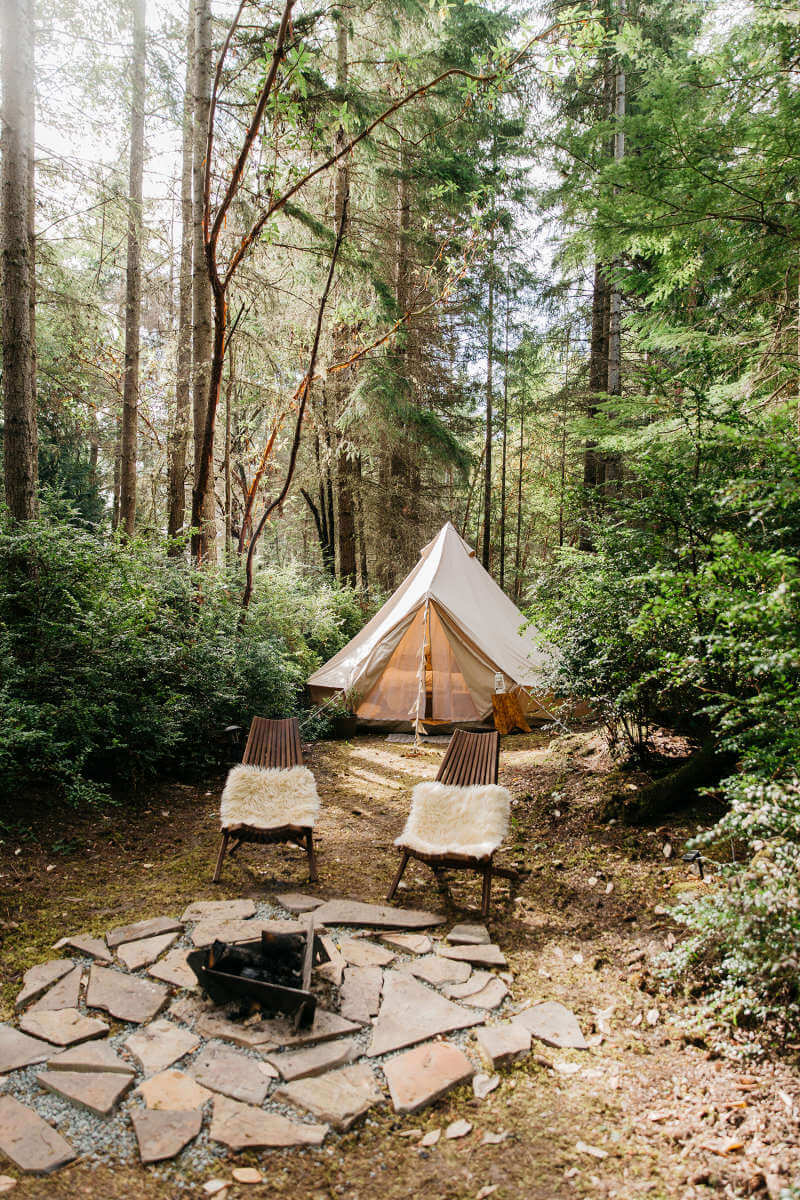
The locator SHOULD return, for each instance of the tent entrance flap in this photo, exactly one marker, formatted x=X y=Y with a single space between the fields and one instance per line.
x=450 y=698
x=422 y=679
x=394 y=695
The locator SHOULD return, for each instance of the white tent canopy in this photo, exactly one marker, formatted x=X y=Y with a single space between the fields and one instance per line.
x=440 y=647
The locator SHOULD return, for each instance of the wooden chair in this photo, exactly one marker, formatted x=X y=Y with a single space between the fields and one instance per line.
x=470 y=759
x=271 y=744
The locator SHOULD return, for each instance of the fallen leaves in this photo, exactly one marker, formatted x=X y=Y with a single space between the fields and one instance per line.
x=494 y=1139
x=483 y=1084
x=593 y=1151
x=458 y=1129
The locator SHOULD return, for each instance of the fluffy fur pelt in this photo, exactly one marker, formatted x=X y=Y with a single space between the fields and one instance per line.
x=456 y=820
x=268 y=797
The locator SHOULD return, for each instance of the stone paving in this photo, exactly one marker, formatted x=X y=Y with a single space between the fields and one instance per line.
x=166 y=1073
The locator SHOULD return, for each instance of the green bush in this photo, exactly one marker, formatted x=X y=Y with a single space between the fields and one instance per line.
x=688 y=613
x=118 y=663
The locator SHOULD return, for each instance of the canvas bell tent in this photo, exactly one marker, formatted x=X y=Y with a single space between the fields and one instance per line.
x=440 y=647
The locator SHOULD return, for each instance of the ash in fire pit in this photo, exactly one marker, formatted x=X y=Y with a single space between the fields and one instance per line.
x=272 y=975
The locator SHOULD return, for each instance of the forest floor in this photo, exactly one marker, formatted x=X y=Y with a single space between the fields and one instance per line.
x=677 y=1109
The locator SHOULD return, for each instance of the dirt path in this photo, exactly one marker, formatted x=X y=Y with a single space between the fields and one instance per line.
x=672 y=1112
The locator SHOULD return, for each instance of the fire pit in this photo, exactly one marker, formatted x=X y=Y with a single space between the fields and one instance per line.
x=272 y=974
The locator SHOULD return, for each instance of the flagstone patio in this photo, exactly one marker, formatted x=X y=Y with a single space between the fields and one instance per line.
x=168 y=1073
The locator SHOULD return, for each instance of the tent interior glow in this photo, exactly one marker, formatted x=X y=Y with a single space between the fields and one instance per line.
x=440 y=647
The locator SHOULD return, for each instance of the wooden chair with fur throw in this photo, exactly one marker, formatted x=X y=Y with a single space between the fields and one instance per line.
x=460 y=819
x=271 y=797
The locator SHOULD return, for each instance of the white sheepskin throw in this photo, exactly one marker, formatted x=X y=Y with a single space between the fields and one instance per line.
x=268 y=797
x=456 y=820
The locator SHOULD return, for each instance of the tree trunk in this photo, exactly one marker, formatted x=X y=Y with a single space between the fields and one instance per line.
x=517 y=548
x=503 y=463
x=614 y=385
x=227 y=468
x=18 y=265
x=346 y=478
x=593 y=471
x=133 y=281
x=487 y=457
x=363 y=575
x=203 y=507
x=176 y=487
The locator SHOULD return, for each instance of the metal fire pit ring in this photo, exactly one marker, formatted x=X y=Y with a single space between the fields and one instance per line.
x=223 y=987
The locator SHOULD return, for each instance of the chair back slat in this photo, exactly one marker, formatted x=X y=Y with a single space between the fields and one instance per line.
x=471 y=758
x=273 y=743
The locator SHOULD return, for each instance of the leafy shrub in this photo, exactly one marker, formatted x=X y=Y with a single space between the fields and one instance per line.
x=695 y=619
x=118 y=663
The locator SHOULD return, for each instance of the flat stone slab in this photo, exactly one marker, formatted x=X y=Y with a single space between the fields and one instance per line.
x=158 y=1045
x=64 y=994
x=275 y=1033
x=243 y=1127
x=298 y=902
x=30 y=1143
x=481 y=956
x=503 y=1044
x=98 y=1091
x=300 y=1064
x=353 y=912
x=221 y=1069
x=325 y=1026
x=37 y=980
x=360 y=994
x=92 y=947
x=142 y=929
x=469 y=935
x=216 y=1024
x=144 y=951
x=65 y=1027
x=409 y=943
x=413 y=1013
x=490 y=996
x=554 y=1025
x=360 y=952
x=338 y=1097
x=474 y=983
x=126 y=997
x=221 y=910
x=422 y=1075
x=19 y=1050
x=164 y=1134
x=214 y=930
x=438 y=971
x=91 y=1056
x=189 y=1009
x=174 y=969
x=334 y=968
x=173 y=1090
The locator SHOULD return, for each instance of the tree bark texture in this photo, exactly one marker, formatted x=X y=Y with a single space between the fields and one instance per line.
x=133 y=281
x=20 y=449
x=487 y=457
x=345 y=473
x=203 y=507
x=176 y=486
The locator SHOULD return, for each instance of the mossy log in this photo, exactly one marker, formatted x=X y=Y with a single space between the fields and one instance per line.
x=676 y=790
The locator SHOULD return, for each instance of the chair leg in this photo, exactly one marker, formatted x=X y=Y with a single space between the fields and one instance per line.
x=220 y=857
x=313 y=877
x=403 y=864
x=487 y=890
